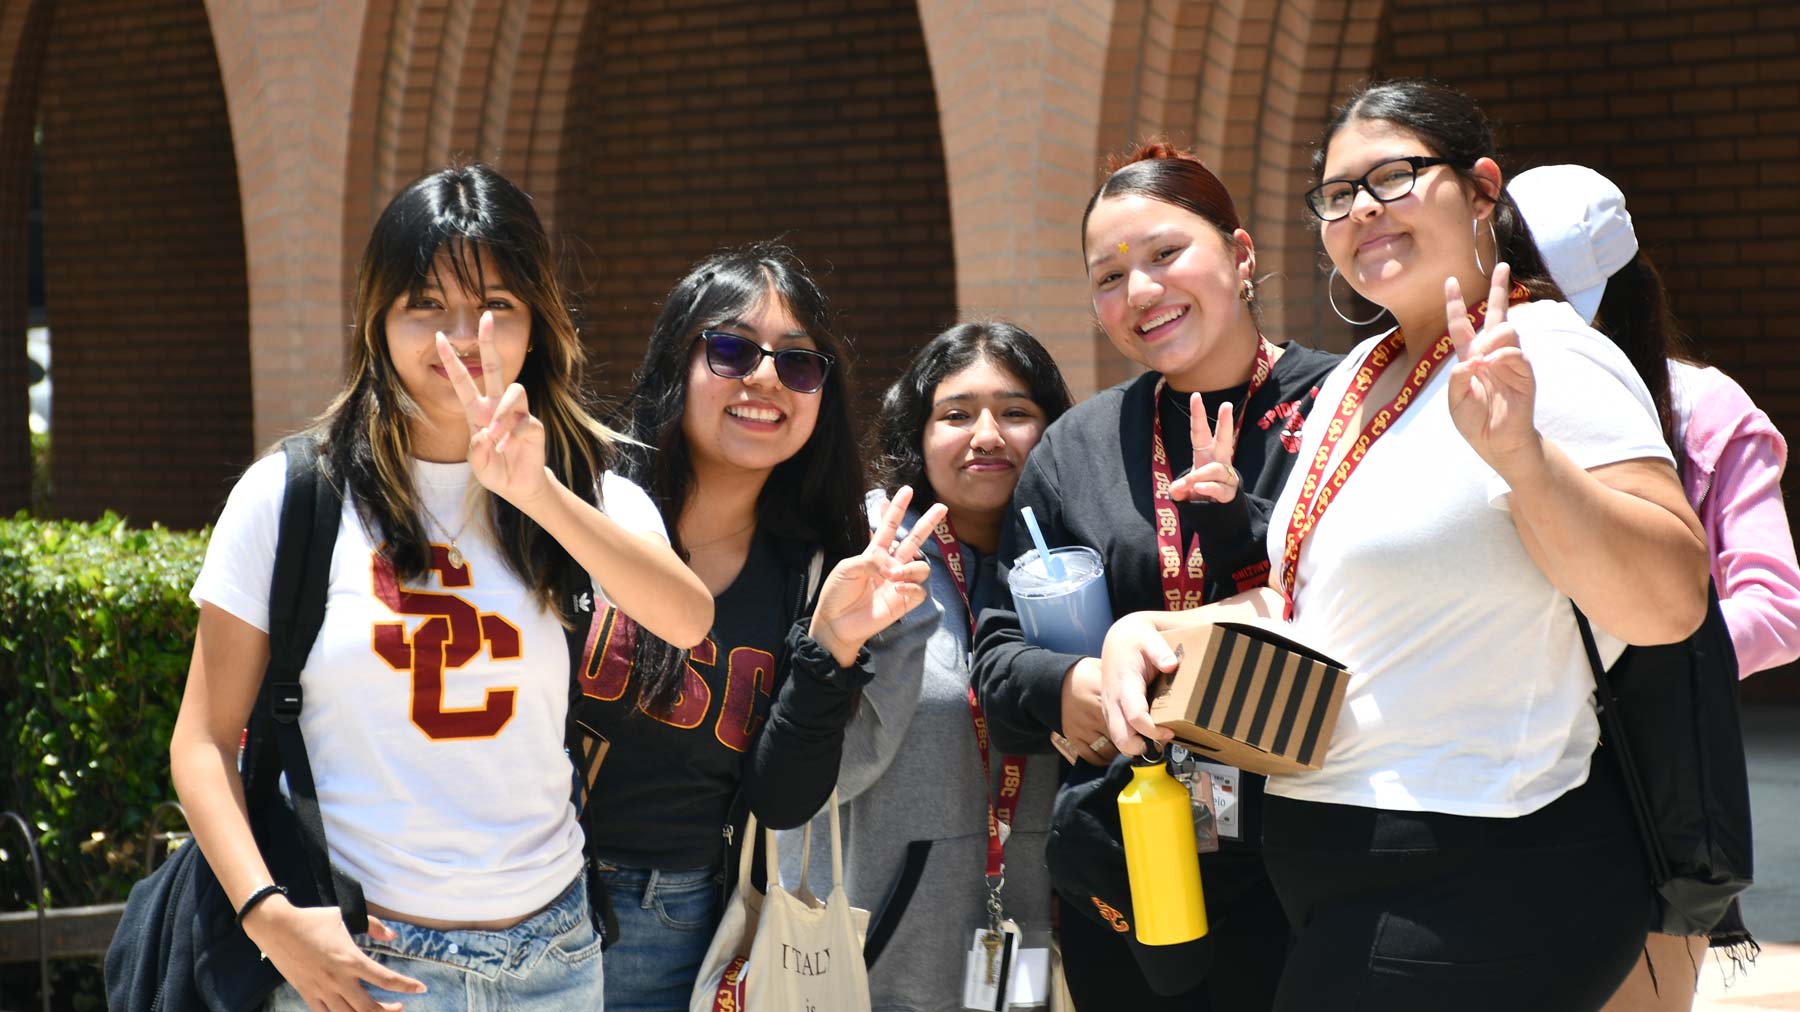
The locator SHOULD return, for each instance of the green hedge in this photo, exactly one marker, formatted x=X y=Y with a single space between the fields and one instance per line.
x=95 y=634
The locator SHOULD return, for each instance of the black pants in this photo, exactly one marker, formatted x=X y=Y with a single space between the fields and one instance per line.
x=1400 y=911
x=1242 y=957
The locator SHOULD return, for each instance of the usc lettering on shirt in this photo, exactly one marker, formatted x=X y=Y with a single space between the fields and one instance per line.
x=749 y=672
x=665 y=792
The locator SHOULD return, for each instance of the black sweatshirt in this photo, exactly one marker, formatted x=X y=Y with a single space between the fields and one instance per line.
x=763 y=711
x=1088 y=481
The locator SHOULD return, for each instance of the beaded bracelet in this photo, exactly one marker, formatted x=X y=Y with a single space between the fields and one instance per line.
x=257 y=897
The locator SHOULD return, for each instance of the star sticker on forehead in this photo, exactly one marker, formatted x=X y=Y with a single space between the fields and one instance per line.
x=1124 y=248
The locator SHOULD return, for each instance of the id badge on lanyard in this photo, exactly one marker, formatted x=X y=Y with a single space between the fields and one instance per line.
x=1000 y=972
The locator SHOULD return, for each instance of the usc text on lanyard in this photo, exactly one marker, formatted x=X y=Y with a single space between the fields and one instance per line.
x=1012 y=767
x=1316 y=494
x=1184 y=587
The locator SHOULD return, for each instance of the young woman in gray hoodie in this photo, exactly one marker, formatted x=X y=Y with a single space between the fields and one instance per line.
x=915 y=786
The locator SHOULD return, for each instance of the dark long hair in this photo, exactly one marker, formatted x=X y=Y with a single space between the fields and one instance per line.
x=900 y=426
x=1634 y=312
x=458 y=215
x=815 y=496
x=1453 y=127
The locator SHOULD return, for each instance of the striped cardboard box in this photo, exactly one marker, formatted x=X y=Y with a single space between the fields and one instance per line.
x=1250 y=697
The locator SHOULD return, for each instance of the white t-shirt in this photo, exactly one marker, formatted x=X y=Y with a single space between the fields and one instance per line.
x=1471 y=693
x=434 y=711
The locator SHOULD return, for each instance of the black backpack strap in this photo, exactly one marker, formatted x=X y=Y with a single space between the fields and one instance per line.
x=1613 y=736
x=311 y=513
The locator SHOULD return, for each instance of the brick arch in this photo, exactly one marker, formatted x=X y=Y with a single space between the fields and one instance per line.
x=726 y=122
x=144 y=262
x=1249 y=84
x=1019 y=91
x=445 y=80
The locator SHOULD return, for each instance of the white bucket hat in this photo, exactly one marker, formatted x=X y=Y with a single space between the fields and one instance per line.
x=1579 y=220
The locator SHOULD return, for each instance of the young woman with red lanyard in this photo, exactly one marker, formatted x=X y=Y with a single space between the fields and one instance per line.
x=923 y=793
x=1173 y=278
x=1479 y=469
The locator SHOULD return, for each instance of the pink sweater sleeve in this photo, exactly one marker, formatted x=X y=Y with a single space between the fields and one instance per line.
x=1753 y=549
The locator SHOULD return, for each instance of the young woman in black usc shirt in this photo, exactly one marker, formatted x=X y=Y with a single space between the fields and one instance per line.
x=1173 y=277
x=741 y=414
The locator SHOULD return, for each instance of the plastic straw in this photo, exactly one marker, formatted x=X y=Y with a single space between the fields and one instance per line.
x=1052 y=565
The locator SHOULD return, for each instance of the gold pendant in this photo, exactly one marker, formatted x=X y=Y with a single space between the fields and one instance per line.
x=456 y=557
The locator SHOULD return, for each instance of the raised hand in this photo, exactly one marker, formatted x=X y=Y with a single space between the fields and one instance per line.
x=1492 y=389
x=506 y=442
x=315 y=954
x=868 y=592
x=1212 y=476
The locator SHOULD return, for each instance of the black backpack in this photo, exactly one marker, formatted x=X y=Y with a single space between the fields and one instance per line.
x=1669 y=716
x=178 y=944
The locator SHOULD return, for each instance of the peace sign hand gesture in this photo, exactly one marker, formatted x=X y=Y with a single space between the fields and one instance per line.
x=1212 y=477
x=1493 y=390
x=506 y=443
x=866 y=593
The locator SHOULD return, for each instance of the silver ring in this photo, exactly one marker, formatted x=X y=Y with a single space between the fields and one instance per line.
x=1100 y=744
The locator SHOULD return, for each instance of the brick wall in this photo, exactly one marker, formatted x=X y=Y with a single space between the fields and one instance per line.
x=699 y=124
x=1693 y=108
x=144 y=260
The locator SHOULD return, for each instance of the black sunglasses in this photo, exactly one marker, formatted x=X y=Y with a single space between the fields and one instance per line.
x=1386 y=182
x=732 y=356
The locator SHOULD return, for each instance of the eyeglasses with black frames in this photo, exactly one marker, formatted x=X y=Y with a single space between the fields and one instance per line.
x=733 y=356
x=1386 y=182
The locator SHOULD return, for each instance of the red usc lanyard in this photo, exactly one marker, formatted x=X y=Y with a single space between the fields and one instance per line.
x=1185 y=587
x=1012 y=767
x=1315 y=498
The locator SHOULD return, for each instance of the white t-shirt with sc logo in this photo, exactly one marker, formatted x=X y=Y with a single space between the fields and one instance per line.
x=434 y=709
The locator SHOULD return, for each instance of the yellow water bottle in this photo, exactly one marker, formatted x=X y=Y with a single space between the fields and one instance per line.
x=1157 y=817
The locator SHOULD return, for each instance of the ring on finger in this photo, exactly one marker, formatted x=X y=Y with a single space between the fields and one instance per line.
x=1100 y=744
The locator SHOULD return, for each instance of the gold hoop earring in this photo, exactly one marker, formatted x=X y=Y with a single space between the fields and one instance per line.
x=1331 y=297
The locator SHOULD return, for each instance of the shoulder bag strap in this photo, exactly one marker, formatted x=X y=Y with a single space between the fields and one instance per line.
x=1606 y=703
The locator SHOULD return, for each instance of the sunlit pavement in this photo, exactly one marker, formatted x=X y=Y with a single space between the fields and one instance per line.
x=1772 y=906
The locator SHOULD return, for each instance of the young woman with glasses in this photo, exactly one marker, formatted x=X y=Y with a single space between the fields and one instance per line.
x=1463 y=845
x=917 y=782
x=1172 y=273
x=473 y=477
x=743 y=437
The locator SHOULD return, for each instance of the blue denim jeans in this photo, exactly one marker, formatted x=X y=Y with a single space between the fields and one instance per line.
x=666 y=921
x=550 y=961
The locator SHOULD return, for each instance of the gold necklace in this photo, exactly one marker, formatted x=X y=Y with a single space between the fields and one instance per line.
x=455 y=554
x=713 y=541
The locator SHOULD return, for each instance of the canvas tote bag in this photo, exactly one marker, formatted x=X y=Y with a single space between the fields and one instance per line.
x=786 y=951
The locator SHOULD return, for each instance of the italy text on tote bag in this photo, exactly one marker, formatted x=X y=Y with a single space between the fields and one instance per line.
x=786 y=951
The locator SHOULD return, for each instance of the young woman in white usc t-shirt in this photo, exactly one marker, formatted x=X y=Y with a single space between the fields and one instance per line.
x=436 y=690
x=1461 y=847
